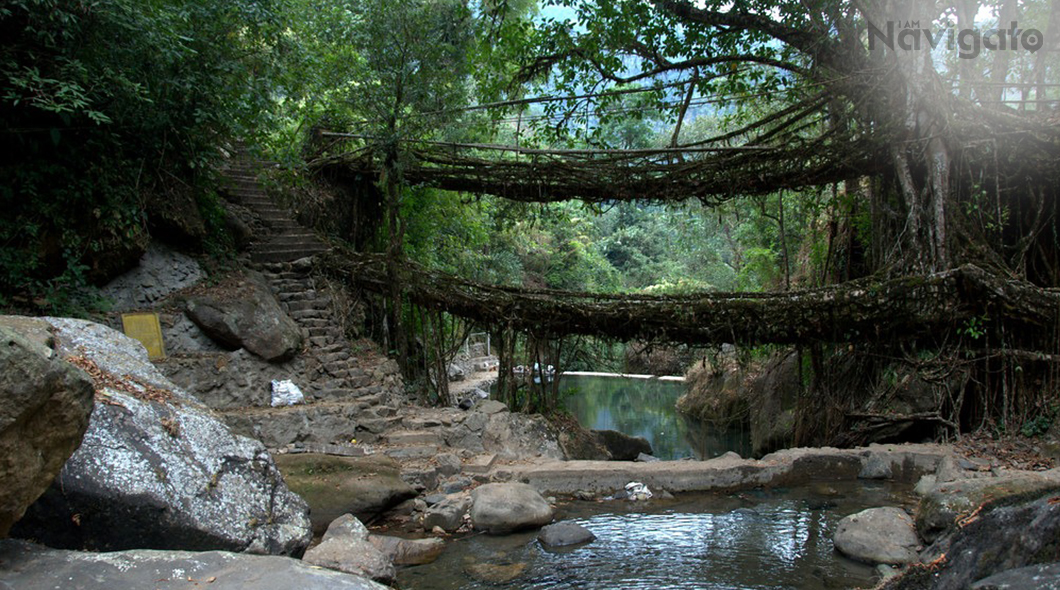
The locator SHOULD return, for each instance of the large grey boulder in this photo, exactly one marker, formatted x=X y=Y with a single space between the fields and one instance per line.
x=1039 y=577
x=500 y=508
x=45 y=405
x=408 y=551
x=253 y=321
x=563 y=534
x=1005 y=534
x=878 y=535
x=515 y=436
x=25 y=565
x=345 y=547
x=943 y=503
x=158 y=470
x=448 y=514
x=160 y=273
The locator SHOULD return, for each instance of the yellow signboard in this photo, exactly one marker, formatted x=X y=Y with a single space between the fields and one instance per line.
x=145 y=328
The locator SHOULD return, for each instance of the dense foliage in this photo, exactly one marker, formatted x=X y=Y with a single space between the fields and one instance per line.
x=104 y=104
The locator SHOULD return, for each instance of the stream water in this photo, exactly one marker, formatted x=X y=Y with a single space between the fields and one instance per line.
x=645 y=407
x=758 y=539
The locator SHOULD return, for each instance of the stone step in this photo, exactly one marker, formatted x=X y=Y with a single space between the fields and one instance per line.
x=480 y=463
x=275 y=267
x=280 y=223
x=384 y=411
x=337 y=373
x=289 y=295
x=321 y=303
x=308 y=314
x=248 y=192
x=285 y=285
x=259 y=205
x=295 y=250
x=306 y=247
x=411 y=423
x=372 y=399
x=264 y=206
x=312 y=247
x=271 y=212
x=318 y=341
x=303 y=237
x=378 y=426
x=243 y=185
x=325 y=331
x=281 y=255
x=413 y=437
x=339 y=394
x=420 y=452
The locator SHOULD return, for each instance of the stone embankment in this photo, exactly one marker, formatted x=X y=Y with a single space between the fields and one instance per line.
x=730 y=471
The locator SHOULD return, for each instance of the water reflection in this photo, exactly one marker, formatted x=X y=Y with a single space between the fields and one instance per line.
x=640 y=407
x=779 y=539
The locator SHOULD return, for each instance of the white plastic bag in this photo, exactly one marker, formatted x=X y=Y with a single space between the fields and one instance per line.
x=635 y=490
x=286 y=393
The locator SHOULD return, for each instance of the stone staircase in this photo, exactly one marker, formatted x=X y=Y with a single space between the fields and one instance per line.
x=337 y=376
x=347 y=396
x=287 y=240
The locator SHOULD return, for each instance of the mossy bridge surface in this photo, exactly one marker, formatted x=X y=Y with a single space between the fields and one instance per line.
x=864 y=310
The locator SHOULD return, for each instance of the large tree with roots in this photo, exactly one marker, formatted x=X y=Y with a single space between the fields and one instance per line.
x=946 y=134
x=937 y=120
x=940 y=116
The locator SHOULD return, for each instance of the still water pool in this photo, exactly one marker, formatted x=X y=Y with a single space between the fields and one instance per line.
x=760 y=539
x=645 y=407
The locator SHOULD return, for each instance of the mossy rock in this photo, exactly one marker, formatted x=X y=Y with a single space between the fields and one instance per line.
x=946 y=503
x=332 y=486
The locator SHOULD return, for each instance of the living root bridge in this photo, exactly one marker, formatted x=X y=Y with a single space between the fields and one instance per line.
x=708 y=174
x=863 y=310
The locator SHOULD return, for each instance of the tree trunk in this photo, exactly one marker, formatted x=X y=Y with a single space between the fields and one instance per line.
x=394 y=255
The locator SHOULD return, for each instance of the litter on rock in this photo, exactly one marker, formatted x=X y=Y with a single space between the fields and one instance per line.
x=286 y=393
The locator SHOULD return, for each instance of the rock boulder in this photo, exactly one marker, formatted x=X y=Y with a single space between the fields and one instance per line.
x=516 y=436
x=944 y=502
x=1039 y=577
x=1006 y=534
x=408 y=551
x=564 y=534
x=447 y=514
x=45 y=405
x=500 y=508
x=24 y=565
x=253 y=321
x=156 y=469
x=345 y=547
x=160 y=273
x=878 y=535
